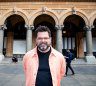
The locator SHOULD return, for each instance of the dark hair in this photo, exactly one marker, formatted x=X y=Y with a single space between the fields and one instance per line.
x=42 y=29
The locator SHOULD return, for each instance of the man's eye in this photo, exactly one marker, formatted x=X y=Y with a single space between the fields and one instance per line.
x=39 y=38
x=43 y=38
x=46 y=38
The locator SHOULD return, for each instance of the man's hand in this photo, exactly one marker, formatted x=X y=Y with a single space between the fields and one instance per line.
x=67 y=57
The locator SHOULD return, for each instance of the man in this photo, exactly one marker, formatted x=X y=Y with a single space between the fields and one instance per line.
x=68 y=61
x=43 y=66
x=14 y=59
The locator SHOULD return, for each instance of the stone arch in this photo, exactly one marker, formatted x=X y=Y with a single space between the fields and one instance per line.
x=78 y=12
x=47 y=12
x=92 y=18
x=20 y=13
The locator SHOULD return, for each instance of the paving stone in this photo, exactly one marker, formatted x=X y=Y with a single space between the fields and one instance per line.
x=13 y=75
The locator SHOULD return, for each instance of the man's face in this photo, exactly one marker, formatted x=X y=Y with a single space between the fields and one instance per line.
x=43 y=41
x=67 y=51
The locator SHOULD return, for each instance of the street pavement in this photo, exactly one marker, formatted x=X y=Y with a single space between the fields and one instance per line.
x=13 y=75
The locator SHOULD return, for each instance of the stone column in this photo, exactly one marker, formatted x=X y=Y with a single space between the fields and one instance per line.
x=89 y=55
x=59 y=40
x=2 y=27
x=29 y=37
x=68 y=43
x=72 y=46
x=64 y=43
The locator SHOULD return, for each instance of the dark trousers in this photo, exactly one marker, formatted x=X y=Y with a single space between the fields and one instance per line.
x=68 y=65
x=14 y=60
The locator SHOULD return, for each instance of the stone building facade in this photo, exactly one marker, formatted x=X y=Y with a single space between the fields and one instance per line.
x=72 y=24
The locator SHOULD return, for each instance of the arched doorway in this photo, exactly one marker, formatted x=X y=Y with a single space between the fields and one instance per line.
x=73 y=35
x=15 y=36
x=48 y=21
x=94 y=38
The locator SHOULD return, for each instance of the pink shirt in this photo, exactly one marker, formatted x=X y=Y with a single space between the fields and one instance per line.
x=56 y=63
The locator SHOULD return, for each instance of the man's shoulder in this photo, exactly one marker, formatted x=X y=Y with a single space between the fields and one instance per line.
x=70 y=53
x=56 y=53
x=31 y=52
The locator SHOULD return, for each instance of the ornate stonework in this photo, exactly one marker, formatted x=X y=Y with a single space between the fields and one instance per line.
x=3 y=11
x=59 y=27
x=14 y=9
x=29 y=27
x=47 y=0
x=59 y=11
x=88 y=11
x=29 y=11
x=3 y=27
x=88 y=28
x=43 y=9
x=74 y=10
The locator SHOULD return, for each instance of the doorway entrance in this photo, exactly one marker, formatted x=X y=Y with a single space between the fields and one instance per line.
x=15 y=36
x=73 y=35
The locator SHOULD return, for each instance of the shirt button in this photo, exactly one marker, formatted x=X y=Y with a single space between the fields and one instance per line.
x=34 y=74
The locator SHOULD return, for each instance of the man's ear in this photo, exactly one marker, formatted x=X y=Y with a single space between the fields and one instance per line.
x=35 y=38
x=51 y=38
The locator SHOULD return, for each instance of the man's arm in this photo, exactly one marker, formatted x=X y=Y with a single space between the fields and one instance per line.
x=70 y=56
x=24 y=64
x=63 y=67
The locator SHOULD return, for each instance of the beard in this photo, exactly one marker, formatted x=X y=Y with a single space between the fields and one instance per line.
x=43 y=46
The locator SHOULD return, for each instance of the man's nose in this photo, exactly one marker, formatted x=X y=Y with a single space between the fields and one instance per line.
x=43 y=40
